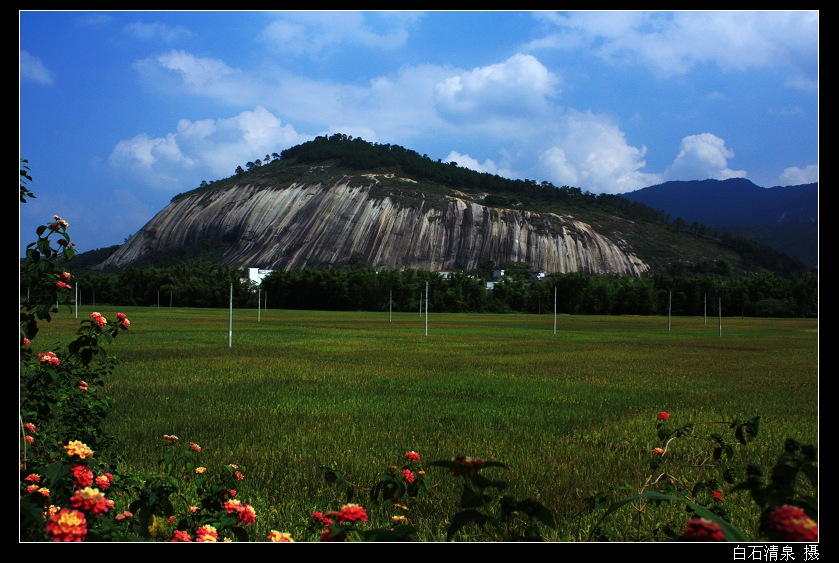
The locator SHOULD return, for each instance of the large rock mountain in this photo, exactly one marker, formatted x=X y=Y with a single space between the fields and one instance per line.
x=335 y=200
x=325 y=223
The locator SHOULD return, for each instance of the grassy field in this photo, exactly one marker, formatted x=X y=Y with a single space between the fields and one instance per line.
x=570 y=410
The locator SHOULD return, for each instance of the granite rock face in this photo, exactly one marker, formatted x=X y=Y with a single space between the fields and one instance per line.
x=319 y=224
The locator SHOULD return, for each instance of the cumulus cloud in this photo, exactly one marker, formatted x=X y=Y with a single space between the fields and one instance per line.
x=204 y=149
x=519 y=85
x=592 y=153
x=487 y=166
x=674 y=43
x=795 y=176
x=33 y=70
x=702 y=157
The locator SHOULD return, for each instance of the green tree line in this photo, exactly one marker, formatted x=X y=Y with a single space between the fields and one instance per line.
x=358 y=286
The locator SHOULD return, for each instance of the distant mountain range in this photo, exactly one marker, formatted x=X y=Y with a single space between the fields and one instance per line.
x=782 y=217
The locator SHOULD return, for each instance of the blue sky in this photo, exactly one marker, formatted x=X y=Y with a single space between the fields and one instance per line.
x=122 y=110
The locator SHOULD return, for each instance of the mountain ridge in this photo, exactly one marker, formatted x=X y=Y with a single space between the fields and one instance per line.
x=334 y=197
x=782 y=217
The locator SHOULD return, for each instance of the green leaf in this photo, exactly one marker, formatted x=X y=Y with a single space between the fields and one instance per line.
x=462 y=519
x=732 y=533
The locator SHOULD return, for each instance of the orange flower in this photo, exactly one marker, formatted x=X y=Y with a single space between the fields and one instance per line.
x=658 y=451
x=67 y=525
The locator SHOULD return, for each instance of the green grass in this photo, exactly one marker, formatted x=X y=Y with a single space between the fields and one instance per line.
x=570 y=412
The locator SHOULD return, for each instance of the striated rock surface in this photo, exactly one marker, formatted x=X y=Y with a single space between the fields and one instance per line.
x=318 y=224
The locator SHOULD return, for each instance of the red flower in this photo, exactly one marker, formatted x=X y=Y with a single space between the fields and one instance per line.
x=322 y=519
x=413 y=456
x=409 y=477
x=718 y=496
x=699 y=529
x=792 y=524
x=663 y=416
x=658 y=451
x=82 y=476
x=352 y=513
x=181 y=536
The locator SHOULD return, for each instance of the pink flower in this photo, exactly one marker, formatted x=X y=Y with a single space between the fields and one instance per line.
x=195 y=447
x=49 y=358
x=663 y=416
x=100 y=320
x=409 y=477
x=239 y=476
x=62 y=285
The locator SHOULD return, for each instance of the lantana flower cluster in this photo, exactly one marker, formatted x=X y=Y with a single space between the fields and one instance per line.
x=69 y=524
x=349 y=515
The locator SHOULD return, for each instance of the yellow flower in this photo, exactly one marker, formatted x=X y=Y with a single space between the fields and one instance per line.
x=78 y=449
x=276 y=536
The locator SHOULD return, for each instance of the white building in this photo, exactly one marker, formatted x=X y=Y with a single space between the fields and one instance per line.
x=257 y=274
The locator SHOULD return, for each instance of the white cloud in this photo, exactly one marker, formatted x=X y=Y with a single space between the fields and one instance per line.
x=195 y=72
x=33 y=70
x=592 y=153
x=315 y=33
x=795 y=176
x=702 y=157
x=519 y=85
x=674 y=43
x=157 y=32
x=205 y=149
x=487 y=166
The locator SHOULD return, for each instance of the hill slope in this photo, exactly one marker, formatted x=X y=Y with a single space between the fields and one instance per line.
x=332 y=199
x=783 y=217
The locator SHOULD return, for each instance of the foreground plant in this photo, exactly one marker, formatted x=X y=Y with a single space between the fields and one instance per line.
x=694 y=478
